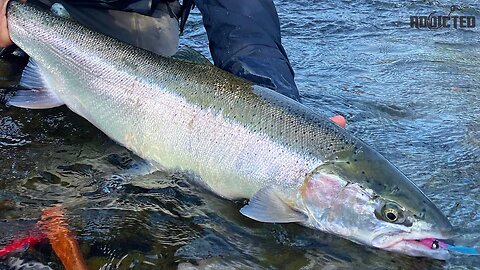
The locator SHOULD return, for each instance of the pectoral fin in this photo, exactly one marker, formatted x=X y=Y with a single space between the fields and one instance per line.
x=267 y=206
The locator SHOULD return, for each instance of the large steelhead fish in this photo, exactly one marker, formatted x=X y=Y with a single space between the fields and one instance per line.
x=238 y=139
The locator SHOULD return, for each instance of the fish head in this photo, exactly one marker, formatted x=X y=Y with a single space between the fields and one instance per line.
x=361 y=196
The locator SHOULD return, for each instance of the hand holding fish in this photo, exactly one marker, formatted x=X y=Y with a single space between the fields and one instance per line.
x=5 y=40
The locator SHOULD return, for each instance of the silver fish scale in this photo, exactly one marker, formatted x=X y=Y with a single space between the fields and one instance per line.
x=235 y=136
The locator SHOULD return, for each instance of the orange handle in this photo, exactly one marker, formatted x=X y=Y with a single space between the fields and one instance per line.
x=54 y=226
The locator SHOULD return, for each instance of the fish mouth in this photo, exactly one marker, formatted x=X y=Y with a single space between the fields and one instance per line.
x=431 y=247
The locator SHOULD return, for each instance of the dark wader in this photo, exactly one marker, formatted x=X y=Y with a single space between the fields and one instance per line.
x=244 y=35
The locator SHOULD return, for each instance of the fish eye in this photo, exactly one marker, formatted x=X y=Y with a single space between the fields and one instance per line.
x=393 y=213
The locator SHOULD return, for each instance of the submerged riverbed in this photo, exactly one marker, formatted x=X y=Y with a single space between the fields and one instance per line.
x=413 y=94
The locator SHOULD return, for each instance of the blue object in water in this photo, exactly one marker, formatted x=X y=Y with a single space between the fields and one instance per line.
x=463 y=250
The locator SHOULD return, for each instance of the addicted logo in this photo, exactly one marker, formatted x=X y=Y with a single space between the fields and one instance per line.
x=434 y=21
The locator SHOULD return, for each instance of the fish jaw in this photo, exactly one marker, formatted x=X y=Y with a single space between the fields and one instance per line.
x=423 y=246
x=422 y=239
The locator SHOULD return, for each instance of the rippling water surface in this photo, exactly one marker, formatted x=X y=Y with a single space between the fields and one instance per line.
x=414 y=95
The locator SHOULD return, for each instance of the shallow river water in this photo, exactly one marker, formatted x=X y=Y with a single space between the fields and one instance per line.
x=413 y=94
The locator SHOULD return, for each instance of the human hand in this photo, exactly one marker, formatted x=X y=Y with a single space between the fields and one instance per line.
x=5 y=40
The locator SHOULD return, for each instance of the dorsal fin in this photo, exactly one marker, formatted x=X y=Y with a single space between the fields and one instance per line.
x=188 y=54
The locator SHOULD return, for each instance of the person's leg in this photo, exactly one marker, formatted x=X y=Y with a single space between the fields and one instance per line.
x=244 y=39
x=157 y=31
